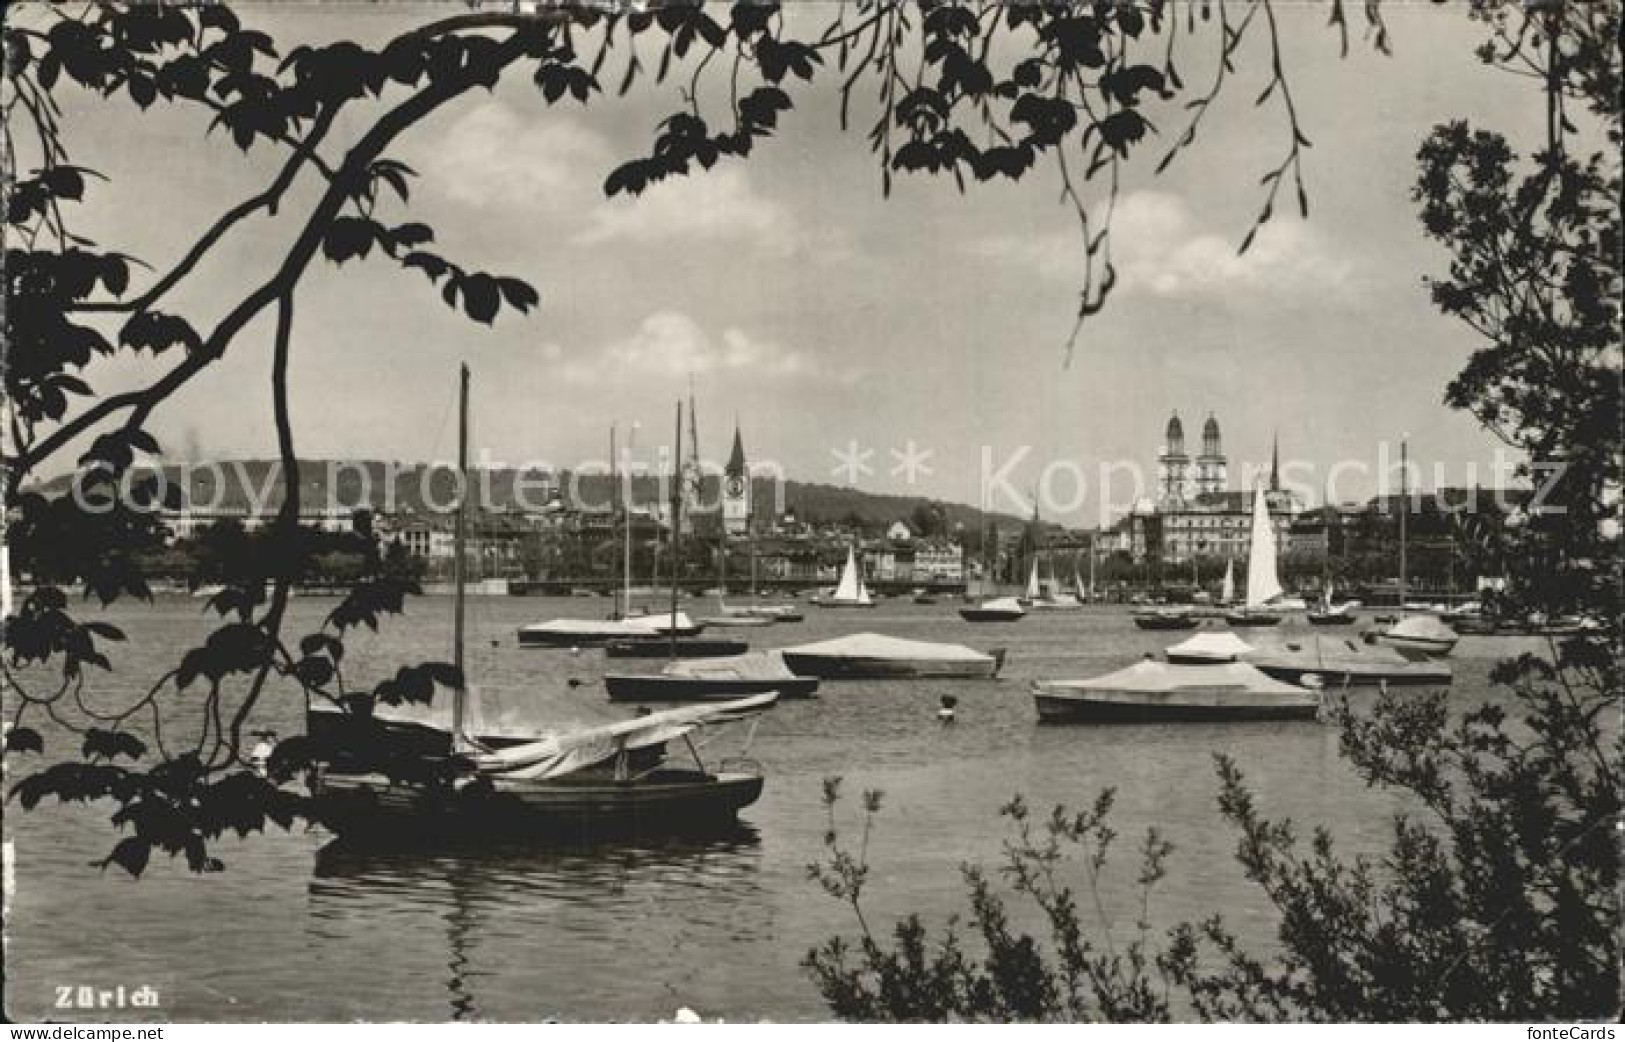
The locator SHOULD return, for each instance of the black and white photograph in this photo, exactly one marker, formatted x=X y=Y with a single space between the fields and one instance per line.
x=588 y=512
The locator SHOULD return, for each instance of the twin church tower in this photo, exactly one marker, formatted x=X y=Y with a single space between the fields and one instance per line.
x=1179 y=479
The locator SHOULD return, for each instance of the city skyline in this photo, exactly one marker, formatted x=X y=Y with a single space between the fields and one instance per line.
x=824 y=324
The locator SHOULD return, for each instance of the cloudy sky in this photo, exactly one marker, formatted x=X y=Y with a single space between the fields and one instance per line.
x=824 y=316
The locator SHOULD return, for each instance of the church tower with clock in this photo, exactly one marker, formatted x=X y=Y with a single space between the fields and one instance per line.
x=736 y=490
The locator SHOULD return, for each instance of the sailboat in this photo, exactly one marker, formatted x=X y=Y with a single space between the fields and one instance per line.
x=982 y=608
x=1419 y=633
x=1263 y=582
x=1051 y=597
x=623 y=623
x=1033 y=591
x=1227 y=592
x=851 y=592
x=1330 y=614
x=447 y=780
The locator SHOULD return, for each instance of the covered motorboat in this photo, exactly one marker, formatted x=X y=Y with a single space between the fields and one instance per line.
x=572 y=633
x=1340 y=662
x=878 y=656
x=770 y=612
x=1153 y=691
x=1424 y=633
x=997 y=609
x=713 y=680
x=1166 y=619
x=1208 y=648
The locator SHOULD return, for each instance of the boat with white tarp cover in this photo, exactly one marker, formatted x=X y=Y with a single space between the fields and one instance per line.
x=712 y=680
x=1151 y=691
x=1344 y=662
x=878 y=656
x=566 y=633
x=1206 y=648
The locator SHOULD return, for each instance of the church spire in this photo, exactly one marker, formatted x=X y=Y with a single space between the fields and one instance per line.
x=736 y=458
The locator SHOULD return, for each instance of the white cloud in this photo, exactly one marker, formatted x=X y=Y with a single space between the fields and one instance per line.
x=721 y=203
x=670 y=345
x=1161 y=249
x=495 y=156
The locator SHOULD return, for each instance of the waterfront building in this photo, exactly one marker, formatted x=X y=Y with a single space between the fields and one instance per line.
x=1195 y=513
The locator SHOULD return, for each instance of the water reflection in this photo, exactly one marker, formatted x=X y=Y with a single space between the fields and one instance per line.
x=482 y=918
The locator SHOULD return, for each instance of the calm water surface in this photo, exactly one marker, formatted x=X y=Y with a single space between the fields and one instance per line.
x=301 y=928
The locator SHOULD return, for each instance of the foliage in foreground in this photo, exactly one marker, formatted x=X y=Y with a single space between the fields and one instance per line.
x=1062 y=975
x=1499 y=898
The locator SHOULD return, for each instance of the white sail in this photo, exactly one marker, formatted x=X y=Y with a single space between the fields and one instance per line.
x=1077 y=586
x=1228 y=593
x=851 y=588
x=1263 y=583
x=1033 y=591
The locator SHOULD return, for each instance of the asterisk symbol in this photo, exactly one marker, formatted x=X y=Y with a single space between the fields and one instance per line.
x=913 y=463
x=853 y=462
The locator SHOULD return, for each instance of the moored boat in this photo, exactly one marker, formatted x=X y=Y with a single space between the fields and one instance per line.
x=568 y=633
x=611 y=778
x=1150 y=691
x=1341 y=615
x=1207 y=649
x=446 y=780
x=736 y=621
x=682 y=647
x=873 y=655
x=713 y=680
x=1340 y=661
x=998 y=609
x=851 y=592
x=1423 y=633
x=1263 y=580
x=1166 y=619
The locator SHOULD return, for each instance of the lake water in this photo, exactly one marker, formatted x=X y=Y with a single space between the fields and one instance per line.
x=299 y=928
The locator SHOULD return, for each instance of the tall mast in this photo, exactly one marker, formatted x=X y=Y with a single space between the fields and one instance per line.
x=1404 y=509
x=626 y=520
x=676 y=528
x=459 y=567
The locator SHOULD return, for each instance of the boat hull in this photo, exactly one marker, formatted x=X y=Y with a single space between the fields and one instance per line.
x=1336 y=675
x=667 y=803
x=700 y=689
x=542 y=638
x=738 y=621
x=840 y=667
x=1166 y=622
x=990 y=615
x=1434 y=647
x=1184 y=706
x=1252 y=619
x=661 y=647
x=1331 y=618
